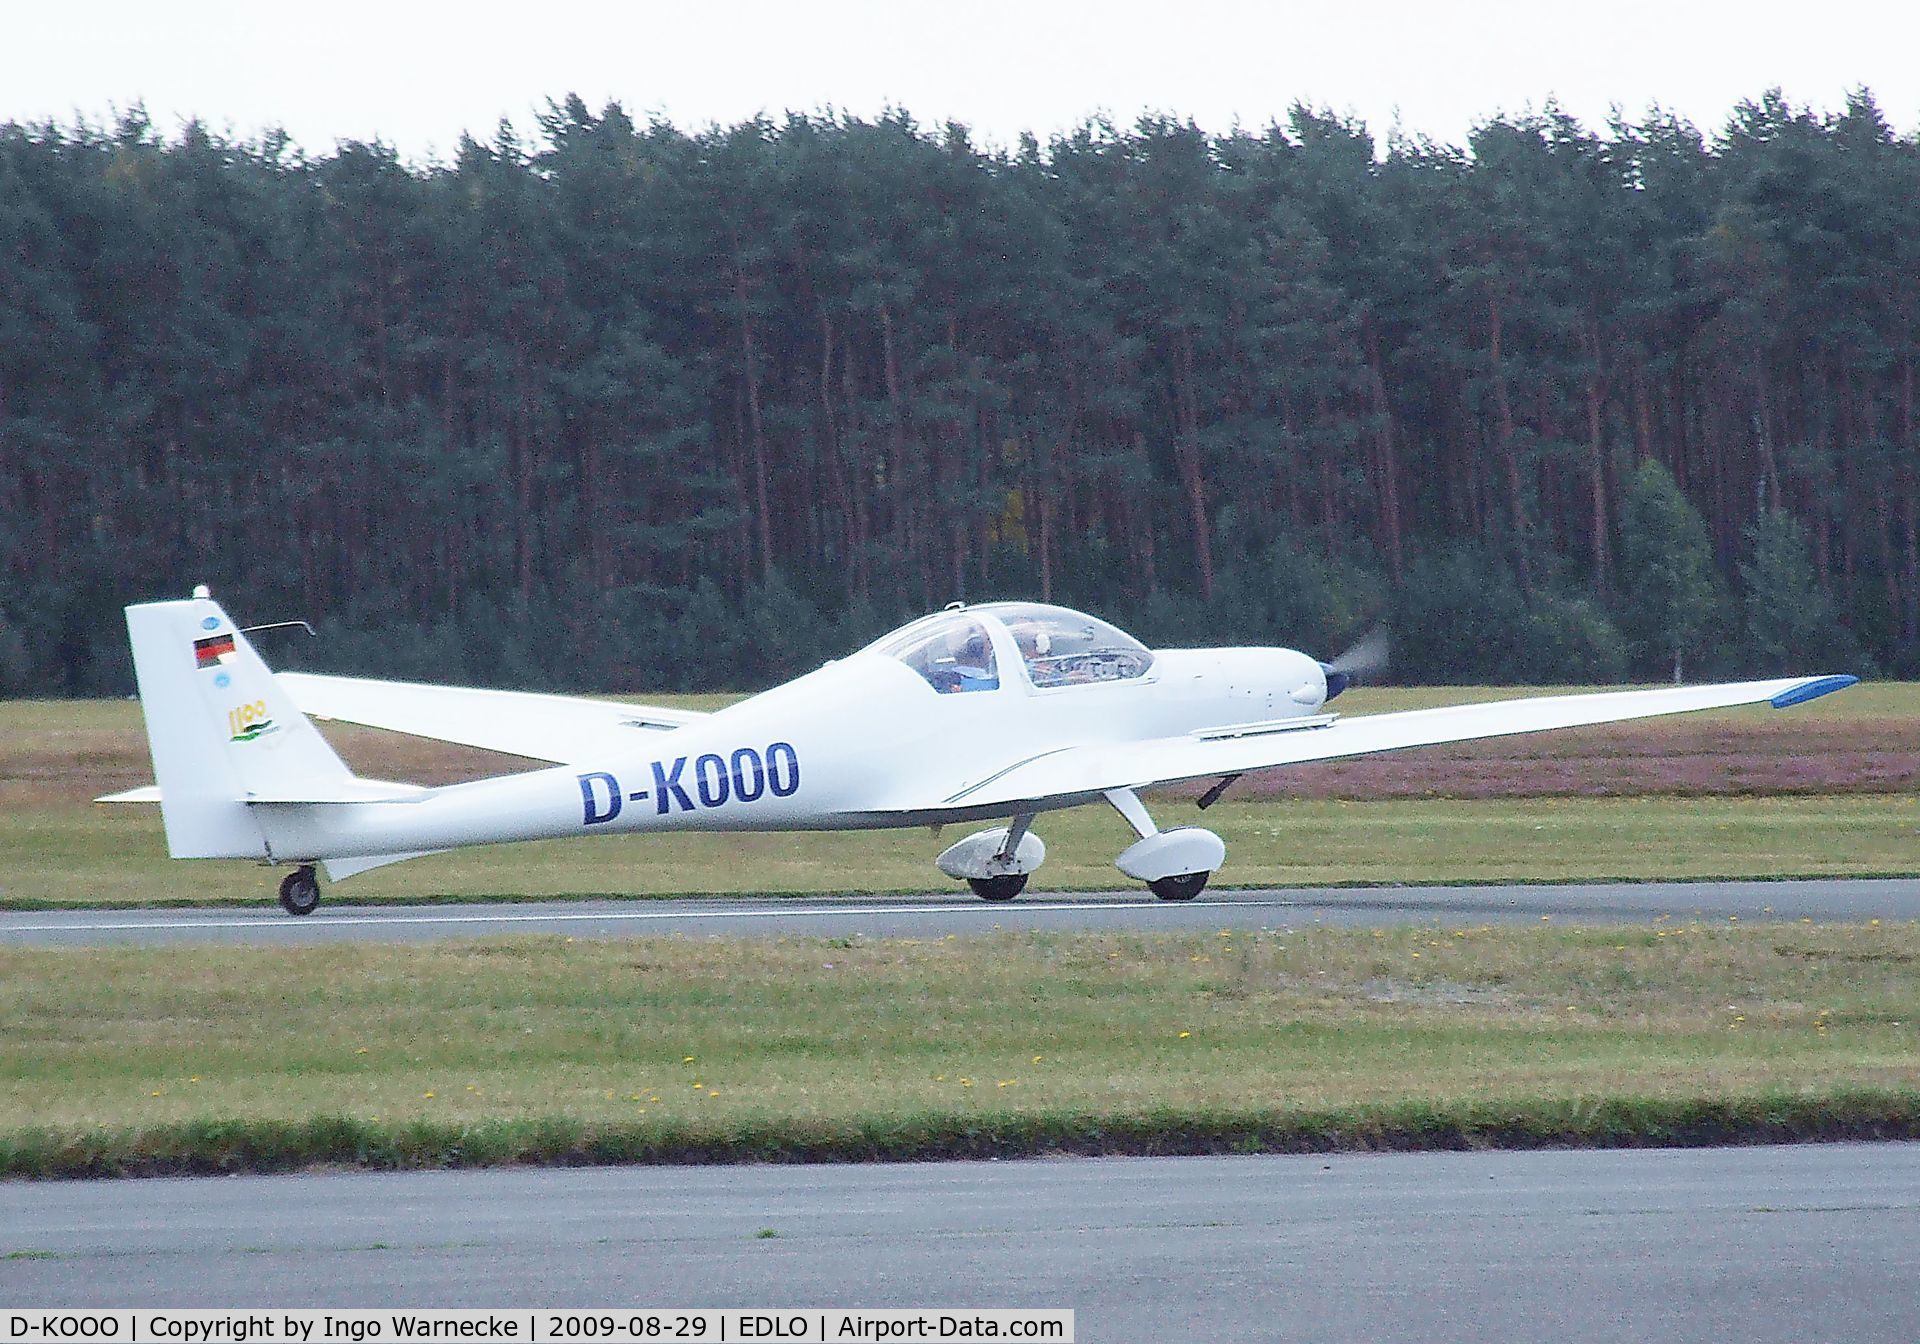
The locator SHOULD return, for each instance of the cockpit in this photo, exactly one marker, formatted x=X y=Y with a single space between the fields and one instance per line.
x=958 y=650
x=952 y=650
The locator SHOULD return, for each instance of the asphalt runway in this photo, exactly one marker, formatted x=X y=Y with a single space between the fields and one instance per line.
x=937 y=916
x=1755 y=1244
x=1760 y=1244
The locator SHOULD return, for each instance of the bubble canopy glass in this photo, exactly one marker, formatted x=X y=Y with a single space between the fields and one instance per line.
x=954 y=649
x=951 y=649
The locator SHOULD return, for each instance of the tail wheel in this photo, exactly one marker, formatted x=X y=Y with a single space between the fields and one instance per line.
x=998 y=888
x=300 y=891
x=1179 y=887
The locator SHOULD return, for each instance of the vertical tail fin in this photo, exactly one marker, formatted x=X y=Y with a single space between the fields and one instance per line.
x=220 y=729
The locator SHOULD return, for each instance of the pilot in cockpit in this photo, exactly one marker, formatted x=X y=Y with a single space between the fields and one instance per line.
x=974 y=664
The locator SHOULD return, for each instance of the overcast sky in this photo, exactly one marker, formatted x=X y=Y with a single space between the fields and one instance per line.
x=417 y=75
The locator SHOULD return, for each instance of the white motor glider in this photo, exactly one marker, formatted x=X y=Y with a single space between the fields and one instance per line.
x=998 y=711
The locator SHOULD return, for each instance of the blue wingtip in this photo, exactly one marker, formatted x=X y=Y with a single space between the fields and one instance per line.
x=1811 y=689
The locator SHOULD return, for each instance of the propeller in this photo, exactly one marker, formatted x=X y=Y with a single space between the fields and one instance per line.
x=1365 y=661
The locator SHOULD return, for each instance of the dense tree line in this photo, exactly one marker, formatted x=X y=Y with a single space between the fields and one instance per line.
x=631 y=406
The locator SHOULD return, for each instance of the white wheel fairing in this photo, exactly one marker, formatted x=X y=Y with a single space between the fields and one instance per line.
x=1184 y=849
x=978 y=856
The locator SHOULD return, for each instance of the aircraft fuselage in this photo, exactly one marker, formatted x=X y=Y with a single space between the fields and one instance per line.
x=835 y=749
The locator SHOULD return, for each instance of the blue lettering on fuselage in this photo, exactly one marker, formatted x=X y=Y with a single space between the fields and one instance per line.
x=784 y=781
x=666 y=786
x=710 y=778
x=744 y=760
x=745 y=776
x=595 y=812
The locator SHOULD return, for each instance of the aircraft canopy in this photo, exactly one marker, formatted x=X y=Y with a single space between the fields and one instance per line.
x=955 y=649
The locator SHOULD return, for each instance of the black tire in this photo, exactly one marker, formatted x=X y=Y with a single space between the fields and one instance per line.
x=300 y=891
x=1180 y=887
x=998 y=888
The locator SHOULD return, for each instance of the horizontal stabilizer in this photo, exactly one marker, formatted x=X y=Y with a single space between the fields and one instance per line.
x=564 y=730
x=352 y=790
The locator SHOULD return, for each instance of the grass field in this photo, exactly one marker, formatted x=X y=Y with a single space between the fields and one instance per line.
x=547 y=1049
x=1826 y=789
x=543 y=1049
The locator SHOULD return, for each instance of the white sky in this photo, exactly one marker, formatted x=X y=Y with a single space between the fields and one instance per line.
x=418 y=74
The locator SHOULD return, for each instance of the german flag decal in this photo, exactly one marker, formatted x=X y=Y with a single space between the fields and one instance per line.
x=213 y=651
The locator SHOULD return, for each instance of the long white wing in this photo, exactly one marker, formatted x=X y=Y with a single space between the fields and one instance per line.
x=1091 y=770
x=555 y=728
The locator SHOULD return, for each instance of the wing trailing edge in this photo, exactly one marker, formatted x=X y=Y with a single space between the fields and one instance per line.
x=559 y=729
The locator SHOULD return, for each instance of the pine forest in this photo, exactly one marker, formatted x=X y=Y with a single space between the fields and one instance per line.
x=617 y=405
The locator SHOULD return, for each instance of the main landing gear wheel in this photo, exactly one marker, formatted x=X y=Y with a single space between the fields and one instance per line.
x=300 y=891
x=1179 y=887
x=998 y=888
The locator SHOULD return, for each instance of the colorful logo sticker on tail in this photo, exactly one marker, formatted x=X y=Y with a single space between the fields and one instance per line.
x=250 y=722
